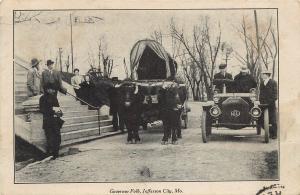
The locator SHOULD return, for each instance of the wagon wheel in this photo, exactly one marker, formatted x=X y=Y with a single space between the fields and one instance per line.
x=204 y=126
x=266 y=125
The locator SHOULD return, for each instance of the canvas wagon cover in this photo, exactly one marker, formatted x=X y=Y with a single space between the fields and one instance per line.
x=149 y=60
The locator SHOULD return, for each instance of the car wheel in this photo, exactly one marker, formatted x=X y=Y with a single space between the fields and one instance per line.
x=266 y=125
x=204 y=126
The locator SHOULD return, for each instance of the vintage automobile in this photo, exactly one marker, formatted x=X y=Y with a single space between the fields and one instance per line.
x=234 y=111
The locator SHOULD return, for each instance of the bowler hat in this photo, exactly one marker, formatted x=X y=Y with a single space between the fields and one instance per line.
x=49 y=62
x=34 y=62
x=222 y=66
x=266 y=72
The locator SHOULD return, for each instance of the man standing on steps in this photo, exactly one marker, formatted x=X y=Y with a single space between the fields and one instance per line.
x=49 y=106
x=33 y=79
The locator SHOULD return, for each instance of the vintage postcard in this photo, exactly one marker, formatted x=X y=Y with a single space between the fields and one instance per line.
x=162 y=97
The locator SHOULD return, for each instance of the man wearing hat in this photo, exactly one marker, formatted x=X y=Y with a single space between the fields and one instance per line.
x=243 y=82
x=113 y=93
x=223 y=75
x=33 y=79
x=49 y=106
x=268 y=95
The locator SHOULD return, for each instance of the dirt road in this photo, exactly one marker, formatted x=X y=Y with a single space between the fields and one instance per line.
x=228 y=156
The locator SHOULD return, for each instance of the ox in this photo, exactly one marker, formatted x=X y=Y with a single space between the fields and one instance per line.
x=171 y=100
x=130 y=110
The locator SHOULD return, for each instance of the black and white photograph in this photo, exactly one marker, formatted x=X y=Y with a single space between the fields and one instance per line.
x=153 y=95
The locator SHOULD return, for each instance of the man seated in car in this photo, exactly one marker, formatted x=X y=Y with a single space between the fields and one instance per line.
x=222 y=75
x=243 y=82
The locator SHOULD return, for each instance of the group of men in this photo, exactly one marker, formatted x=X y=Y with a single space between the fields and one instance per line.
x=243 y=82
x=48 y=83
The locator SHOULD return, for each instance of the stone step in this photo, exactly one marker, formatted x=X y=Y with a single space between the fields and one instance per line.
x=81 y=113
x=20 y=83
x=21 y=93
x=21 y=98
x=68 y=103
x=21 y=87
x=83 y=119
x=80 y=140
x=85 y=133
x=85 y=125
x=20 y=78
x=74 y=108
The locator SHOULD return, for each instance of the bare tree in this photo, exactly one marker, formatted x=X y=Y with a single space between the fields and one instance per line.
x=261 y=46
x=26 y=16
x=203 y=53
x=157 y=36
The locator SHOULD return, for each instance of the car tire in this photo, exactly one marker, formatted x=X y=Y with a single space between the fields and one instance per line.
x=204 y=126
x=266 y=125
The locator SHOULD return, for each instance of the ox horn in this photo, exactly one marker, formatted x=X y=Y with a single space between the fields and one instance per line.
x=136 y=90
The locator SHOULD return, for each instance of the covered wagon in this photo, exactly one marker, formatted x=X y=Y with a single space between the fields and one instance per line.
x=152 y=68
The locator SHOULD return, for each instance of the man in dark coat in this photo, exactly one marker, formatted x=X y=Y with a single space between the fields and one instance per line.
x=243 y=82
x=268 y=95
x=223 y=75
x=87 y=92
x=114 y=98
x=51 y=83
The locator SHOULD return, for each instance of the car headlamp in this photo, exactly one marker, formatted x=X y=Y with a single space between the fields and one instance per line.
x=255 y=112
x=215 y=111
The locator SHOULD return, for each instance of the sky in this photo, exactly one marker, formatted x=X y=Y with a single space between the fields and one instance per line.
x=121 y=29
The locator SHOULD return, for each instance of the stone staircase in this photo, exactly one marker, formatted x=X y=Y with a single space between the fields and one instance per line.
x=81 y=124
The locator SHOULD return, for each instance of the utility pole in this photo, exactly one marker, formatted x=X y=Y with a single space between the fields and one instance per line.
x=99 y=56
x=59 y=53
x=72 y=59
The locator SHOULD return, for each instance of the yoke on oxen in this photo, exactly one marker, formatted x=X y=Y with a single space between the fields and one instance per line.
x=153 y=72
